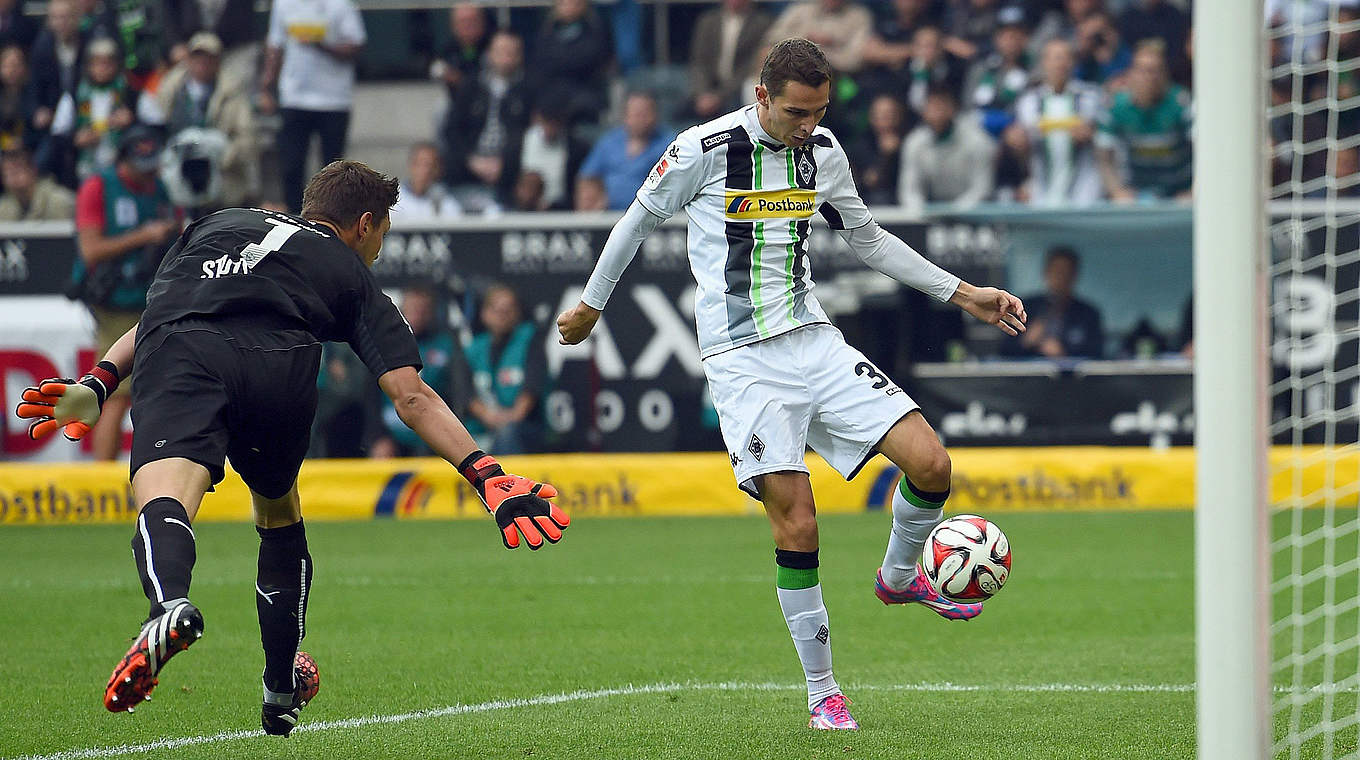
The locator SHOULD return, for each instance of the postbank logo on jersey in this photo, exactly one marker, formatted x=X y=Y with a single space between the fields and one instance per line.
x=753 y=205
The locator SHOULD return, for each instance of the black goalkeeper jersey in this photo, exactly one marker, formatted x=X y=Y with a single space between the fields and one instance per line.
x=255 y=270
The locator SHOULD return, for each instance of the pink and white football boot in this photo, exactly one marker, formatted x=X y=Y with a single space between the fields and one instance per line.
x=831 y=714
x=920 y=592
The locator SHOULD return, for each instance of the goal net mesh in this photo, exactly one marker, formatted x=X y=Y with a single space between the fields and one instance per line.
x=1313 y=112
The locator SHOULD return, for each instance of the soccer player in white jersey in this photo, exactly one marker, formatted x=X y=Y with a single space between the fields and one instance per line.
x=781 y=376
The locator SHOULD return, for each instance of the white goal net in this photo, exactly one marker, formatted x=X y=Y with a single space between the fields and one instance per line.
x=1313 y=112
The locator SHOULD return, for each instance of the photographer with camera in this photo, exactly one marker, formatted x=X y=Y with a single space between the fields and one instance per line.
x=124 y=225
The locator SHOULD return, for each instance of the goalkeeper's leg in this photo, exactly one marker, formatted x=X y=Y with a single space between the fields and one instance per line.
x=282 y=588
x=169 y=492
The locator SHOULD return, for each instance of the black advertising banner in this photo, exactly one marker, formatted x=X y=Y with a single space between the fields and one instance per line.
x=637 y=383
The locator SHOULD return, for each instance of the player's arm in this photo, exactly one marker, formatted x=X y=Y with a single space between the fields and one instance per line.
x=885 y=252
x=75 y=405
x=846 y=213
x=519 y=505
x=672 y=184
x=624 y=240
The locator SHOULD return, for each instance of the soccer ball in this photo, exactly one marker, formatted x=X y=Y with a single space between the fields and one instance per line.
x=308 y=677
x=967 y=558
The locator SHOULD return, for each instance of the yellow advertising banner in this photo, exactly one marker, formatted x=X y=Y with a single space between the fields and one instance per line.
x=985 y=481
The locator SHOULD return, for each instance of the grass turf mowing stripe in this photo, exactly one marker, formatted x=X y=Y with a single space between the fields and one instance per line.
x=94 y=753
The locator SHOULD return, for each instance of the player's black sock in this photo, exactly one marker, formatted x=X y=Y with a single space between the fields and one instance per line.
x=164 y=549
x=282 y=585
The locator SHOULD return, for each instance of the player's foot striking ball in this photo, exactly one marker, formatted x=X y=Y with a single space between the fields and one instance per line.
x=161 y=638
x=920 y=592
x=279 y=718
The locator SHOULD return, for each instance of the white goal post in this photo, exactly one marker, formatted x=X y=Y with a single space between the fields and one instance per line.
x=1231 y=567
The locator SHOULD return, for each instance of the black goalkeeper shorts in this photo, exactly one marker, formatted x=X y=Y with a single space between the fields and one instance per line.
x=206 y=391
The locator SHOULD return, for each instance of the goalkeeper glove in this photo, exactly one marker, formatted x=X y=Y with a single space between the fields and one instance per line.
x=73 y=405
x=519 y=504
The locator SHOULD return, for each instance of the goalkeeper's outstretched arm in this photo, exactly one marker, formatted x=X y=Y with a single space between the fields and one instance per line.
x=519 y=505
x=629 y=231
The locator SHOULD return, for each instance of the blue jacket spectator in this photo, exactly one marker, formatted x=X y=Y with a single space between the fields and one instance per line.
x=622 y=156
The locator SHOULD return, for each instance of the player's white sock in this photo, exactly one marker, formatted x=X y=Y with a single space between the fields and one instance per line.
x=800 y=598
x=915 y=514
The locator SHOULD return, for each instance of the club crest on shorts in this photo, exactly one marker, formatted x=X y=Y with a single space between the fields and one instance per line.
x=756 y=447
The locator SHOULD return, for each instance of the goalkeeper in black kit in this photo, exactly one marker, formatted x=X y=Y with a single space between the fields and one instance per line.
x=226 y=357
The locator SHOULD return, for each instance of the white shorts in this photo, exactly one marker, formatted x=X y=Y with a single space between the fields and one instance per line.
x=807 y=387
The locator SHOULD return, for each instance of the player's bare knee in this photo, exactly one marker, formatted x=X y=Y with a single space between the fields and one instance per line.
x=932 y=471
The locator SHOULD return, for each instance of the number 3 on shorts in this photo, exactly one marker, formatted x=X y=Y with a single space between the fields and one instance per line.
x=865 y=369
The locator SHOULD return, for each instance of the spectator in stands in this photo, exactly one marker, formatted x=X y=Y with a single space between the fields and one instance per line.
x=95 y=115
x=1144 y=20
x=1347 y=172
x=18 y=102
x=1062 y=24
x=195 y=93
x=507 y=376
x=143 y=36
x=58 y=55
x=551 y=152
x=461 y=59
x=1057 y=117
x=310 y=52
x=571 y=56
x=1148 y=127
x=445 y=370
x=1012 y=166
x=722 y=49
x=124 y=224
x=877 y=157
x=995 y=82
x=931 y=66
x=484 y=129
x=15 y=28
x=1060 y=324
x=622 y=156
x=946 y=159
x=969 y=26
x=589 y=194
x=889 y=46
x=840 y=27
x=28 y=196
x=422 y=193
x=529 y=191
x=1102 y=56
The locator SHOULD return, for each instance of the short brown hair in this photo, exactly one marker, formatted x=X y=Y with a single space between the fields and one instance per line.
x=794 y=59
x=342 y=191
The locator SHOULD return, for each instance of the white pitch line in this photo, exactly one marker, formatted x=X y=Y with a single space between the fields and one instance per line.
x=93 y=753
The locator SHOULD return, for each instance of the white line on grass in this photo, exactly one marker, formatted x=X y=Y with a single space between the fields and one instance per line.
x=120 y=750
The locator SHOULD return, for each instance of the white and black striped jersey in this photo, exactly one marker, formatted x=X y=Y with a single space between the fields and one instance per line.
x=750 y=200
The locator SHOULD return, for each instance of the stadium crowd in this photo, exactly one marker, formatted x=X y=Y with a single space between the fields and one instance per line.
x=133 y=116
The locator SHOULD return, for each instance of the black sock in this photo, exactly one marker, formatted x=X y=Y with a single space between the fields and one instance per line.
x=282 y=584
x=164 y=549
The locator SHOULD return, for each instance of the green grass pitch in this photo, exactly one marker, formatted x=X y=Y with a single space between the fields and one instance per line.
x=633 y=638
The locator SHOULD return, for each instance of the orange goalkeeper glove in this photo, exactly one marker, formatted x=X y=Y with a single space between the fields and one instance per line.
x=519 y=504
x=72 y=405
